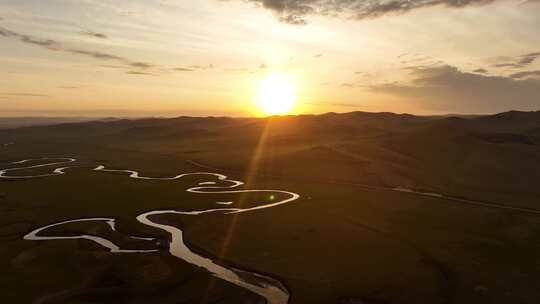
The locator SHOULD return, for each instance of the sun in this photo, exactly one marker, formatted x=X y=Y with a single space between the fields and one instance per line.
x=276 y=94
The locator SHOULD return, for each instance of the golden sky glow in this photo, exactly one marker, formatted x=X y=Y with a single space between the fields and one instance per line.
x=168 y=58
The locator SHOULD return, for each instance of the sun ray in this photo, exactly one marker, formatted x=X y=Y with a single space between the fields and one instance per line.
x=249 y=176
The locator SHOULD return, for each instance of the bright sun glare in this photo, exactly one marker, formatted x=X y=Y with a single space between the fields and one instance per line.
x=276 y=94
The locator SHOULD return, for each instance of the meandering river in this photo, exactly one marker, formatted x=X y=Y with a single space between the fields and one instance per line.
x=269 y=288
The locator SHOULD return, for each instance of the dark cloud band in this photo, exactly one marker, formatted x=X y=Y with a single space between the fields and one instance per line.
x=295 y=11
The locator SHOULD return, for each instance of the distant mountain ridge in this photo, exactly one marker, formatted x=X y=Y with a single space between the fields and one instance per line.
x=19 y=122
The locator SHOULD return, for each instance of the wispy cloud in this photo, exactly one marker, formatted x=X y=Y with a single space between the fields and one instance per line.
x=183 y=69
x=481 y=71
x=202 y=67
x=526 y=74
x=518 y=62
x=363 y=74
x=25 y=95
x=56 y=46
x=411 y=61
x=96 y=55
x=94 y=34
x=141 y=65
x=195 y=67
x=138 y=73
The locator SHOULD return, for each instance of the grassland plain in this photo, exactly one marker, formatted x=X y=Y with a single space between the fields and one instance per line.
x=339 y=243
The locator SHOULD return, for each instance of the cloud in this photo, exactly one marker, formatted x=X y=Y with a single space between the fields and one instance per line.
x=295 y=11
x=528 y=58
x=94 y=34
x=446 y=88
x=138 y=73
x=112 y=66
x=402 y=55
x=56 y=46
x=193 y=68
x=413 y=60
x=96 y=55
x=481 y=71
x=293 y=19
x=46 y=43
x=25 y=95
x=183 y=69
x=141 y=65
x=364 y=76
x=518 y=62
x=525 y=74
x=50 y=44
x=202 y=67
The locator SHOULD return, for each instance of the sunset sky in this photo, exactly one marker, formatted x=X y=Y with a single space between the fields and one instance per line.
x=207 y=57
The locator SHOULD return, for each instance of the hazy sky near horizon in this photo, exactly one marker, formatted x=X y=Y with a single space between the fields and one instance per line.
x=168 y=58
